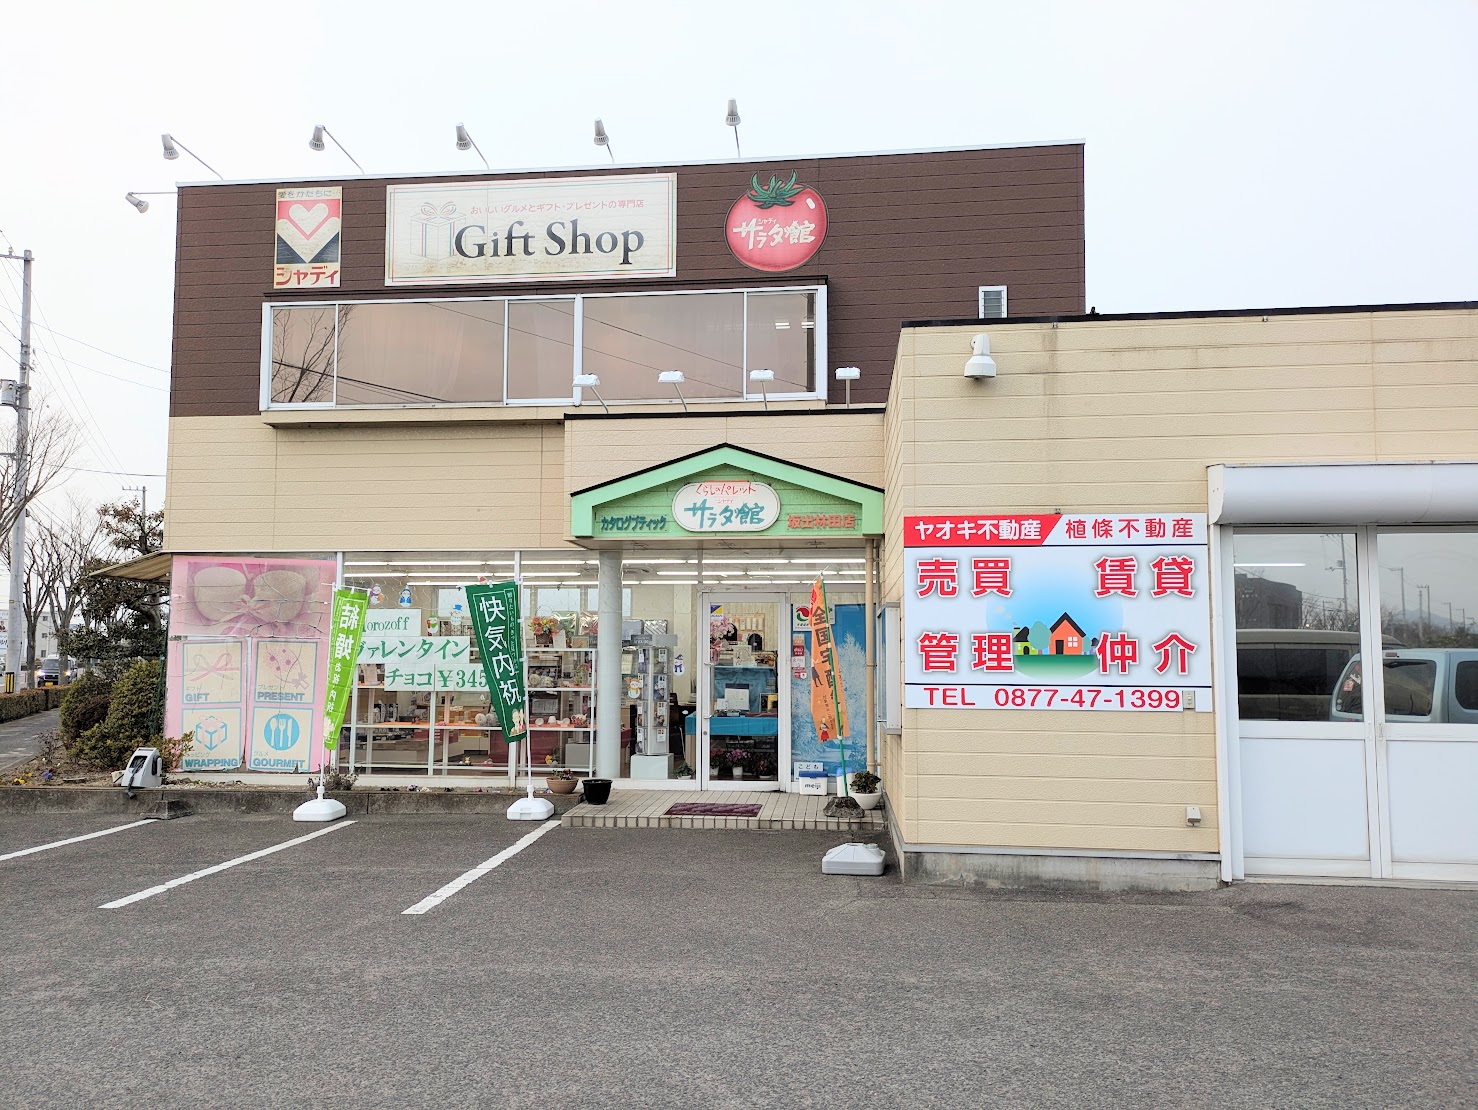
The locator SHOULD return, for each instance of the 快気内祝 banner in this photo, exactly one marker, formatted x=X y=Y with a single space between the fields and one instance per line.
x=499 y=635
x=346 y=627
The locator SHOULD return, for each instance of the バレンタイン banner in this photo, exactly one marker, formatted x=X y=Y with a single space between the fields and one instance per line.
x=499 y=636
x=345 y=630
x=1082 y=611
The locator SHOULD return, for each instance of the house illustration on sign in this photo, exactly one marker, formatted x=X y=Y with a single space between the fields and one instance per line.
x=1066 y=637
x=1021 y=643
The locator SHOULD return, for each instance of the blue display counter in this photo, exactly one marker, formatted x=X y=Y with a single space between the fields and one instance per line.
x=735 y=726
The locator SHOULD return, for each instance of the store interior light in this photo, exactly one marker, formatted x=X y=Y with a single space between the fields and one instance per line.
x=808 y=323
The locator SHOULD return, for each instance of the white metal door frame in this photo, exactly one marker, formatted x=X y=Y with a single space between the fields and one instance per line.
x=781 y=605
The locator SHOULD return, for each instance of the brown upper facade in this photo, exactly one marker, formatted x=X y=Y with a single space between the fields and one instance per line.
x=907 y=236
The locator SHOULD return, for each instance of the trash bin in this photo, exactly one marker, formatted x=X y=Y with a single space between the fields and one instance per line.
x=597 y=791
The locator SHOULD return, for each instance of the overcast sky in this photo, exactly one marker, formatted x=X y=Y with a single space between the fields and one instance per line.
x=1244 y=155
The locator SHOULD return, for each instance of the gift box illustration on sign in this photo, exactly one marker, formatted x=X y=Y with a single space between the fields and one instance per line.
x=211 y=733
x=434 y=229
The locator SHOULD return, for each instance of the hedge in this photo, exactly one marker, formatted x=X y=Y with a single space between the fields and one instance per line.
x=23 y=704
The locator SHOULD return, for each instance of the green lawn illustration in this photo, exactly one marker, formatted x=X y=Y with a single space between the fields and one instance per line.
x=1055 y=668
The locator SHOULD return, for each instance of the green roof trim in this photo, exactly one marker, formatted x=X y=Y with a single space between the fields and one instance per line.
x=802 y=489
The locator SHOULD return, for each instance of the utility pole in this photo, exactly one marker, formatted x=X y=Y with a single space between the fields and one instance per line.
x=143 y=492
x=19 y=395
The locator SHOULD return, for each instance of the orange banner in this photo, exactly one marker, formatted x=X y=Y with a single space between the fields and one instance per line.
x=828 y=700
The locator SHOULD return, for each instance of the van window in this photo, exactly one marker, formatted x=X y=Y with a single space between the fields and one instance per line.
x=1288 y=682
x=1409 y=684
x=1465 y=684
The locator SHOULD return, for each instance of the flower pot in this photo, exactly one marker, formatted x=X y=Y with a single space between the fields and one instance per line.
x=543 y=639
x=597 y=791
x=868 y=801
x=738 y=772
x=563 y=786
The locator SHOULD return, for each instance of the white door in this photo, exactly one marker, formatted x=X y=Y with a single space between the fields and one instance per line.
x=744 y=693
x=1336 y=775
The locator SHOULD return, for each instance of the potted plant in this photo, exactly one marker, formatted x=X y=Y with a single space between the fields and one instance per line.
x=563 y=781
x=737 y=760
x=764 y=767
x=543 y=629
x=867 y=789
x=718 y=763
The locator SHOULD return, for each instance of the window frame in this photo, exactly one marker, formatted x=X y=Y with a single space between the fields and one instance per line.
x=576 y=398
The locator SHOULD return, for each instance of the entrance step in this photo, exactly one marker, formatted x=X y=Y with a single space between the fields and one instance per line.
x=647 y=809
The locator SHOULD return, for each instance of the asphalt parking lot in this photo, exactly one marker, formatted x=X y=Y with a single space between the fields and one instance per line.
x=665 y=968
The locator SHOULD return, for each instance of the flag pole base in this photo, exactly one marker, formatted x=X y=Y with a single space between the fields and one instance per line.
x=531 y=809
x=320 y=809
x=853 y=859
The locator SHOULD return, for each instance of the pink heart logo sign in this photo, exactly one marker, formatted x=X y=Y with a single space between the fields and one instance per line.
x=308 y=227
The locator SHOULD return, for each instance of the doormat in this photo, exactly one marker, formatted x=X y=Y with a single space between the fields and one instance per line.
x=714 y=809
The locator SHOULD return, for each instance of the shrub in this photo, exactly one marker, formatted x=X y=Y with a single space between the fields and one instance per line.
x=84 y=704
x=26 y=702
x=864 y=782
x=130 y=712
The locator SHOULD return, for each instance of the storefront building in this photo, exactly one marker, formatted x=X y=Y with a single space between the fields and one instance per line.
x=619 y=388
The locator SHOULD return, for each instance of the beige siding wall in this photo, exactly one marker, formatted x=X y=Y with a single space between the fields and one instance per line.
x=1123 y=415
x=847 y=444
x=236 y=484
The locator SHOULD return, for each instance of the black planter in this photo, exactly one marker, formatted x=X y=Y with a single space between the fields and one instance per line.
x=597 y=791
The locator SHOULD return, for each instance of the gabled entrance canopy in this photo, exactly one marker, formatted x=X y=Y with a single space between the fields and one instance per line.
x=727 y=492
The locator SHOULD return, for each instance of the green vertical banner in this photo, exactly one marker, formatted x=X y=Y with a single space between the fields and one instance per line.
x=346 y=629
x=499 y=636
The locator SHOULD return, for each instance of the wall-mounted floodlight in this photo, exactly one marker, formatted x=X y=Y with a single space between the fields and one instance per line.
x=602 y=139
x=731 y=119
x=980 y=364
x=464 y=142
x=848 y=374
x=592 y=383
x=763 y=376
x=172 y=148
x=316 y=143
x=675 y=378
x=137 y=201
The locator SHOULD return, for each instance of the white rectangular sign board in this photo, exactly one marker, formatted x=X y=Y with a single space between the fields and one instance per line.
x=1075 y=611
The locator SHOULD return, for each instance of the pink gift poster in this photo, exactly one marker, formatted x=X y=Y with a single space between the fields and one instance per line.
x=247 y=636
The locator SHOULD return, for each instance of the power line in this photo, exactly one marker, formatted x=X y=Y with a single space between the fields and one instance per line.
x=115 y=473
x=95 y=347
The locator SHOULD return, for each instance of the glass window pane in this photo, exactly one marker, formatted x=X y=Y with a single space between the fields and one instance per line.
x=417 y=353
x=630 y=340
x=302 y=355
x=541 y=350
x=782 y=329
x=1429 y=606
x=1298 y=626
x=1465 y=685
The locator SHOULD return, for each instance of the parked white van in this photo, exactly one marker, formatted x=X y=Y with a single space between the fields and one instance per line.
x=1423 y=685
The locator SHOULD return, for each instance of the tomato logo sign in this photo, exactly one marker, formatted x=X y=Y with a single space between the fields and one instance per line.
x=776 y=227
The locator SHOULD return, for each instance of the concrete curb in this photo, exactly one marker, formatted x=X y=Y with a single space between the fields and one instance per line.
x=112 y=800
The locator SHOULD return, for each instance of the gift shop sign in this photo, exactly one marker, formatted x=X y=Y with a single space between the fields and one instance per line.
x=550 y=229
x=1049 y=611
x=726 y=506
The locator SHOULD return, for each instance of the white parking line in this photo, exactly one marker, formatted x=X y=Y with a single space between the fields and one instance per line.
x=431 y=901
x=75 y=839
x=190 y=878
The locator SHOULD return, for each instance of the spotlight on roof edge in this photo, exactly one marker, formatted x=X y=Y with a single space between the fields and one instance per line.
x=316 y=143
x=602 y=139
x=731 y=119
x=675 y=378
x=465 y=142
x=173 y=146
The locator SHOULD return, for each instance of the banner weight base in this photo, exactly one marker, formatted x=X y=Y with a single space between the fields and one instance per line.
x=853 y=859
x=531 y=809
x=320 y=809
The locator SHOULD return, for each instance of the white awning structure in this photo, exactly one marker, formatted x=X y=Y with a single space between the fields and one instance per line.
x=1344 y=493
